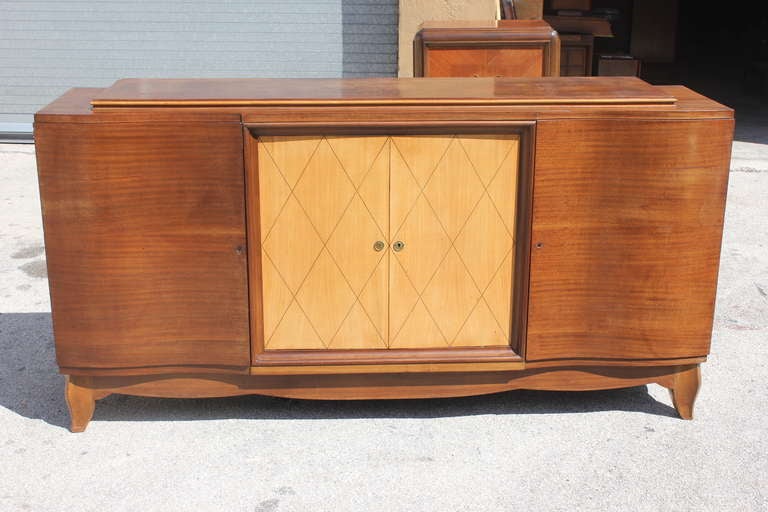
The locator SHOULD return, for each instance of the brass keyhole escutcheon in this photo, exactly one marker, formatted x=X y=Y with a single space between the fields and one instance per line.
x=379 y=246
x=398 y=246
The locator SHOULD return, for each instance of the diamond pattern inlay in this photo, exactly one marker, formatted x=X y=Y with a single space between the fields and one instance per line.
x=419 y=330
x=325 y=297
x=484 y=242
x=461 y=242
x=373 y=193
x=403 y=298
x=357 y=331
x=481 y=329
x=290 y=154
x=270 y=206
x=280 y=296
x=324 y=202
x=426 y=244
x=491 y=150
x=421 y=153
x=291 y=231
x=294 y=331
x=322 y=243
x=375 y=304
x=454 y=189
x=356 y=226
x=502 y=189
x=451 y=295
x=498 y=294
x=324 y=190
x=357 y=154
x=406 y=188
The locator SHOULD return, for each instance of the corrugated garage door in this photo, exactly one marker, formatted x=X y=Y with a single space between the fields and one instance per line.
x=46 y=47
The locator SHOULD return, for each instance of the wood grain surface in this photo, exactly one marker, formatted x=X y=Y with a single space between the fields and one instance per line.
x=83 y=391
x=453 y=205
x=75 y=106
x=80 y=398
x=145 y=243
x=326 y=200
x=215 y=92
x=627 y=225
x=523 y=48
x=684 y=389
x=387 y=386
x=144 y=217
x=491 y=62
x=324 y=205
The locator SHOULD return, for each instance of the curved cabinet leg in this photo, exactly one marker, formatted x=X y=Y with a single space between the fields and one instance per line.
x=81 y=402
x=685 y=387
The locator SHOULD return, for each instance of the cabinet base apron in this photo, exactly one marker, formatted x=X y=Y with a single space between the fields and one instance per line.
x=82 y=391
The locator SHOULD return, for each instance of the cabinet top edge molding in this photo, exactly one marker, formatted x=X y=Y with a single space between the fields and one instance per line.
x=484 y=24
x=485 y=29
x=234 y=92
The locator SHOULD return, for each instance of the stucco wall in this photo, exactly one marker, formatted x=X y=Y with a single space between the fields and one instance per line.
x=415 y=12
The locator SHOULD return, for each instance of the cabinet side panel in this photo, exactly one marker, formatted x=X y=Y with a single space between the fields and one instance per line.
x=627 y=226
x=145 y=242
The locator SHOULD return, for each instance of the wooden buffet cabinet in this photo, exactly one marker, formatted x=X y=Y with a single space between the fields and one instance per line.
x=381 y=238
x=498 y=48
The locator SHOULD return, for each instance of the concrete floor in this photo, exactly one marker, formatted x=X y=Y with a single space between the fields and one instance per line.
x=524 y=450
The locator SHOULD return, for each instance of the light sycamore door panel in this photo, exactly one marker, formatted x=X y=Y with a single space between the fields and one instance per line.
x=324 y=202
x=453 y=207
x=323 y=206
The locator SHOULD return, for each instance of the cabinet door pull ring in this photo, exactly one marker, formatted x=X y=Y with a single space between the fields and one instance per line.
x=398 y=246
